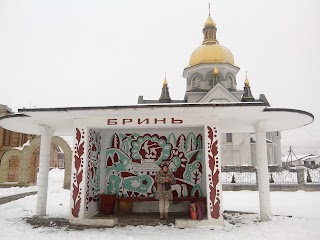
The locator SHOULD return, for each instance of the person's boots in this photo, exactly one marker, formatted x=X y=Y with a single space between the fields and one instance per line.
x=166 y=215
x=161 y=216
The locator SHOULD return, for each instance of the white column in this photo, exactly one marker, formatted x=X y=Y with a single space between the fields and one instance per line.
x=212 y=166
x=42 y=183
x=263 y=176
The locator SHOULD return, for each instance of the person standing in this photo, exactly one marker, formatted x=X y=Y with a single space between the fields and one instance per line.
x=164 y=180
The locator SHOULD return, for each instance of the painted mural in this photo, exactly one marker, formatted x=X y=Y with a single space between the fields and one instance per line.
x=93 y=168
x=213 y=174
x=77 y=172
x=132 y=161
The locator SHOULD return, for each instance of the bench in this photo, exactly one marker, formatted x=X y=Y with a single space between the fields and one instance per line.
x=147 y=199
x=107 y=201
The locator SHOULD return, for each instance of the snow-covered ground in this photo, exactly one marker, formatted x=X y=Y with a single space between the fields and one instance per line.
x=304 y=207
x=4 y=192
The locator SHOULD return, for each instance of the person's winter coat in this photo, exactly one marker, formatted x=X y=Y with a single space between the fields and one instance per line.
x=163 y=191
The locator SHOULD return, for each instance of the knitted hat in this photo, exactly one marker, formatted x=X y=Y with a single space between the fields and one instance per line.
x=164 y=165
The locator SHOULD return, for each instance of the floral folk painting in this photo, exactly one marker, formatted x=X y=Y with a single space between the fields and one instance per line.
x=132 y=161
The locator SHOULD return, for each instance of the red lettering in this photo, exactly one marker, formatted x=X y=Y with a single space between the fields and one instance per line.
x=112 y=121
x=126 y=120
x=160 y=120
x=144 y=120
x=176 y=121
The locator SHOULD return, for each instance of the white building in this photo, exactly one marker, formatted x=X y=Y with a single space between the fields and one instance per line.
x=311 y=160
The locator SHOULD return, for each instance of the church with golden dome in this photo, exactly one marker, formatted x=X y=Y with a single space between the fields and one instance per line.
x=211 y=76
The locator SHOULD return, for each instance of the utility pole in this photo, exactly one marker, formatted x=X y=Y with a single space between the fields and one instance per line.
x=290 y=154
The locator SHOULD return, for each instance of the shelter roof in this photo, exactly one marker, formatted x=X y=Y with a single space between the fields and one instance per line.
x=230 y=117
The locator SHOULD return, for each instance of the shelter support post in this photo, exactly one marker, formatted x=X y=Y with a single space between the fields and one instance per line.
x=79 y=174
x=263 y=176
x=42 y=183
x=213 y=174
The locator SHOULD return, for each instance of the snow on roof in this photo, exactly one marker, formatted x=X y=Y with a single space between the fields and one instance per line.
x=6 y=107
x=310 y=157
x=27 y=144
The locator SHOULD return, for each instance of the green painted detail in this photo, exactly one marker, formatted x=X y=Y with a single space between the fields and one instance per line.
x=132 y=160
x=114 y=184
x=141 y=184
x=196 y=191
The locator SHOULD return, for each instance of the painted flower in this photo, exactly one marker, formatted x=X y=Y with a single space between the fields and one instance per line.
x=150 y=147
x=178 y=160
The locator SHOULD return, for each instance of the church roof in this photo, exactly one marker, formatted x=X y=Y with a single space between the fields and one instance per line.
x=247 y=95
x=165 y=96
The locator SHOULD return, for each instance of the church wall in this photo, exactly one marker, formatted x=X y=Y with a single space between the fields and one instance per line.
x=277 y=150
x=237 y=152
x=245 y=151
x=253 y=154
x=195 y=97
x=270 y=154
x=237 y=95
x=226 y=155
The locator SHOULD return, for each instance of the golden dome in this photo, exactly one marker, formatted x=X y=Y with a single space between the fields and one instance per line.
x=209 y=22
x=211 y=53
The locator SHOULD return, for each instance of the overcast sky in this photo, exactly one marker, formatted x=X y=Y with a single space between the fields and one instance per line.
x=97 y=53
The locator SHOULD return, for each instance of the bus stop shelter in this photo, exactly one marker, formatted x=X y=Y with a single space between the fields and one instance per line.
x=118 y=149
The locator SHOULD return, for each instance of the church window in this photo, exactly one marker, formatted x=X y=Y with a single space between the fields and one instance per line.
x=229 y=137
x=212 y=81
x=195 y=82
x=230 y=82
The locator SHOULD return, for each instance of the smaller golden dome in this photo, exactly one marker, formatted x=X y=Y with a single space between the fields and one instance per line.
x=215 y=71
x=246 y=81
x=165 y=82
x=209 y=22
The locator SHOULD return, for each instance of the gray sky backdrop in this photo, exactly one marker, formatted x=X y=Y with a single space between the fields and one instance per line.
x=94 y=53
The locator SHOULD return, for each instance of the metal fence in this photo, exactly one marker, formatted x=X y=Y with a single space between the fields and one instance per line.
x=292 y=176
x=283 y=177
x=239 y=177
x=312 y=175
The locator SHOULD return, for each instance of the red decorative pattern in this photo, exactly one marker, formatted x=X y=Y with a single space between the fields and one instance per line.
x=94 y=147
x=78 y=172
x=88 y=167
x=214 y=173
